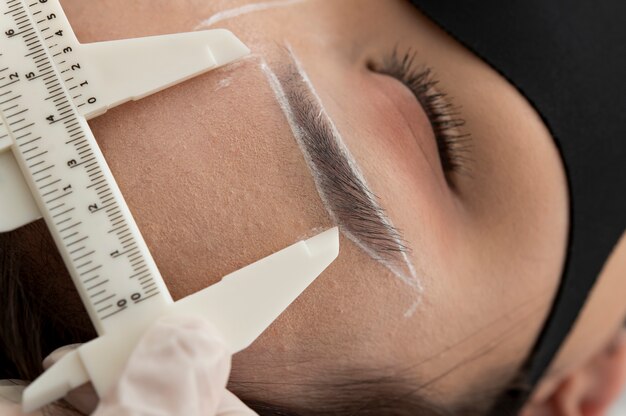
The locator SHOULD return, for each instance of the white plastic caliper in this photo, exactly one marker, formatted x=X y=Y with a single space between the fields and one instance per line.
x=51 y=167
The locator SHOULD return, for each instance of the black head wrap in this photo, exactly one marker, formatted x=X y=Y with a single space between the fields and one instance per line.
x=568 y=58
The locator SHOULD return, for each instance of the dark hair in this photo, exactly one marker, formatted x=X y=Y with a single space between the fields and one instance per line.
x=29 y=332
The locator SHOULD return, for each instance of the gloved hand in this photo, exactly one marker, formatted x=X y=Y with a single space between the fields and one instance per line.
x=179 y=367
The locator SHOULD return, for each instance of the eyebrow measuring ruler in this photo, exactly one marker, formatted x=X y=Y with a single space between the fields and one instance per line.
x=51 y=167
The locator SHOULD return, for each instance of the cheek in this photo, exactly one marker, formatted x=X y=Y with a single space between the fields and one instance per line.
x=347 y=316
x=212 y=188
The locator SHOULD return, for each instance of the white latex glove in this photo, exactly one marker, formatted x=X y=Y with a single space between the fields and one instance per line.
x=179 y=367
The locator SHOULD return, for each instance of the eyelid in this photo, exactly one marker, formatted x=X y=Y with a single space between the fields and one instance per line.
x=445 y=118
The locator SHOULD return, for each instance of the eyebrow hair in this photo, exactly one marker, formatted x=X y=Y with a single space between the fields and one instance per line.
x=341 y=186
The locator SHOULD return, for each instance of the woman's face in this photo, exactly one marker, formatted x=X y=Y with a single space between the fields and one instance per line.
x=222 y=181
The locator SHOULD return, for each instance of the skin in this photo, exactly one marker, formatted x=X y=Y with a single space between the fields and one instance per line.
x=211 y=194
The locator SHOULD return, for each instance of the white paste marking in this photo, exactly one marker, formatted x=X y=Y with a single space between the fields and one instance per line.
x=408 y=276
x=248 y=8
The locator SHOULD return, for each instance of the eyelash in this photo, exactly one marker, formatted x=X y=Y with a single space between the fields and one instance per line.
x=443 y=115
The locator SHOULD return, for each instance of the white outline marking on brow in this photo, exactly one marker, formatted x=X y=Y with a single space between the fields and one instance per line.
x=409 y=277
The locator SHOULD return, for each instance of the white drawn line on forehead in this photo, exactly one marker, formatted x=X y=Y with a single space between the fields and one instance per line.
x=405 y=273
x=242 y=10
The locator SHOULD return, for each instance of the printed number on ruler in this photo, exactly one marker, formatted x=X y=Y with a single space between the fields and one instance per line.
x=43 y=92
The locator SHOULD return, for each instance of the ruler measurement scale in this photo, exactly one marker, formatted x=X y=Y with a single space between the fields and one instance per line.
x=84 y=230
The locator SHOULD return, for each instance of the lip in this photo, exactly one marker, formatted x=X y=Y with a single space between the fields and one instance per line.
x=400 y=108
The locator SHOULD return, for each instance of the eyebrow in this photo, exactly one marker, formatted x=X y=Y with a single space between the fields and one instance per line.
x=340 y=184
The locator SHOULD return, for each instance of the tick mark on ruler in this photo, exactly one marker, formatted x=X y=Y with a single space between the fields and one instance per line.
x=43 y=170
x=97 y=285
x=9 y=83
x=57 y=207
x=83 y=256
x=97 y=294
x=113 y=313
x=96 y=183
x=70 y=226
x=30 y=141
x=54 y=96
x=19 y=112
x=41 y=179
x=137 y=263
x=37 y=50
x=93 y=269
x=71 y=235
x=12 y=9
x=10 y=99
x=51 y=183
x=41 y=75
x=30 y=150
x=59 y=197
x=117 y=228
x=115 y=218
x=65 y=220
x=126 y=240
x=50 y=192
x=104 y=299
x=77 y=250
x=23 y=127
x=104 y=309
x=16 y=122
x=77 y=241
x=37 y=155
x=84 y=264
x=61 y=213
x=103 y=190
x=139 y=272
